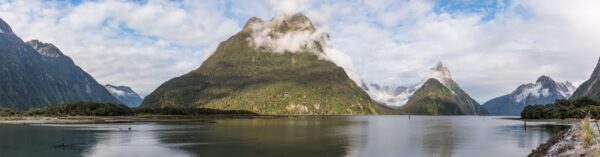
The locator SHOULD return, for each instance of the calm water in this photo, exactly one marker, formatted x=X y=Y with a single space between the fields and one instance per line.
x=308 y=136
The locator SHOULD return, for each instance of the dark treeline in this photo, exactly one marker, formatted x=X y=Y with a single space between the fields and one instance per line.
x=109 y=109
x=561 y=109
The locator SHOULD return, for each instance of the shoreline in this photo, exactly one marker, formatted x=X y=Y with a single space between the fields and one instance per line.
x=126 y=119
x=569 y=143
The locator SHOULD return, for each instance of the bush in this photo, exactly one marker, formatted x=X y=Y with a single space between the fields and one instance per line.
x=7 y=112
x=110 y=109
x=563 y=109
x=186 y=111
x=82 y=109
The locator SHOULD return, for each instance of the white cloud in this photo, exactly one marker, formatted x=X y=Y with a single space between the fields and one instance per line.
x=289 y=6
x=388 y=41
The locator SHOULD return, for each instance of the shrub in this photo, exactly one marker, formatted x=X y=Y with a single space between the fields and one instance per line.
x=587 y=132
x=563 y=109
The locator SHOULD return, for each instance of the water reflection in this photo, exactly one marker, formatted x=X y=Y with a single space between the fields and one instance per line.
x=141 y=140
x=299 y=136
x=440 y=139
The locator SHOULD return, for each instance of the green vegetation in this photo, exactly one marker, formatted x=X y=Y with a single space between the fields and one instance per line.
x=561 y=109
x=110 y=109
x=432 y=99
x=239 y=76
x=187 y=111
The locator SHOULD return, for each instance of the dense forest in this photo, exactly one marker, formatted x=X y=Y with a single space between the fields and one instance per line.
x=561 y=109
x=109 y=109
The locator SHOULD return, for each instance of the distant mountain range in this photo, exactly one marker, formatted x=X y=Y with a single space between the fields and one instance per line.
x=437 y=95
x=252 y=71
x=125 y=95
x=544 y=91
x=591 y=87
x=36 y=74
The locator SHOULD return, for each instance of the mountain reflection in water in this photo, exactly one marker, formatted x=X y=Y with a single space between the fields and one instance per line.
x=296 y=136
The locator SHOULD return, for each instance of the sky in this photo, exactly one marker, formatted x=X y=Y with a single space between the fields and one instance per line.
x=489 y=46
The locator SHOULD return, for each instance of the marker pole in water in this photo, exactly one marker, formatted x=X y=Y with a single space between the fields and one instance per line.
x=408 y=116
x=525 y=124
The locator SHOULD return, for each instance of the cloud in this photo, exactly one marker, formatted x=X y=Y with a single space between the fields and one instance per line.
x=302 y=37
x=490 y=48
x=394 y=42
x=289 y=7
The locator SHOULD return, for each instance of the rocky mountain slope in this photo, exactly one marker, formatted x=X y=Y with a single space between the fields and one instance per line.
x=35 y=74
x=544 y=91
x=591 y=87
x=270 y=67
x=125 y=95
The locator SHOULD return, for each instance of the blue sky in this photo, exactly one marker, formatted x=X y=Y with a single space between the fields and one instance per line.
x=491 y=47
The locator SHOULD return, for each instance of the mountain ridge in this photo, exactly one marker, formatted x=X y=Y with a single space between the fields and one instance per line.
x=124 y=94
x=544 y=91
x=34 y=80
x=591 y=87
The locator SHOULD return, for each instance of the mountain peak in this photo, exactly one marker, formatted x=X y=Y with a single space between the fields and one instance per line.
x=124 y=94
x=4 y=27
x=441 y=72
x=46 y=49
x=544 y=79
x=281 y=23
x=285 y=33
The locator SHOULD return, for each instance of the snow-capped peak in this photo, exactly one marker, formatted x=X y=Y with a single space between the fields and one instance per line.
x=4 y=27
x=124 y=94
x=544 y=87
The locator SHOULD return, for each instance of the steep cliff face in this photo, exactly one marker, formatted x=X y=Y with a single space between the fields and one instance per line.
x=591 y=87
x=270 y=67
x=35 y=74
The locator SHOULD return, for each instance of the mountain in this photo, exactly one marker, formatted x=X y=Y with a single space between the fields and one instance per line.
x=401 y=96
x=591 y=87
x=36 y=74
x=270 y=67
x=433 y=98
x=125 y=95
x=543 y=91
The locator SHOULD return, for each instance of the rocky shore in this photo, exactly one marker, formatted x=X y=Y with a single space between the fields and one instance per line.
x=569 y=143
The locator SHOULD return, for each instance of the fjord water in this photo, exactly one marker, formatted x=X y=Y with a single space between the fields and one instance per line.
x=296 y=136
